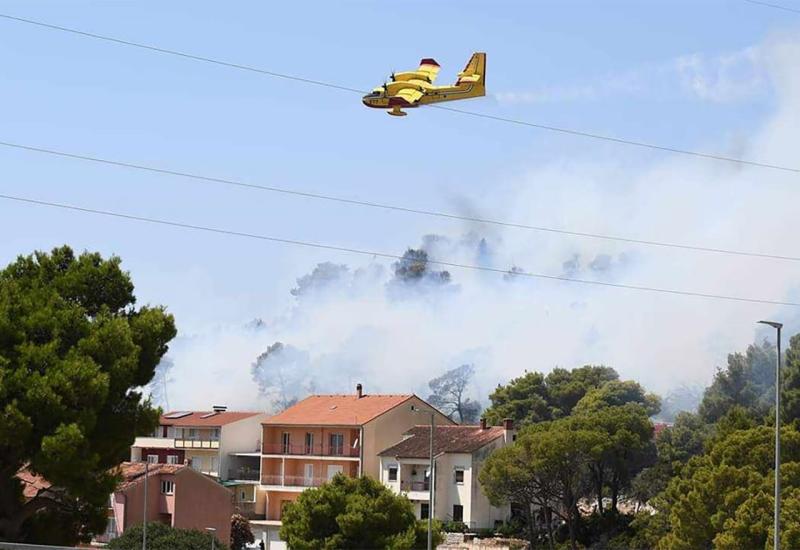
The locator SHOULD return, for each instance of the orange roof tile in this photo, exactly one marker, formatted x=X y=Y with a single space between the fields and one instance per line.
x=337 y=410
x=195 y=418
x=133 y=472
x=31 y=483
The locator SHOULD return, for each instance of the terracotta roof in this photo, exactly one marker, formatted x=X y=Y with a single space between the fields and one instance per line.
x=446 y=439
x=337 y=410
x=133 y=472
x=195 y=418
x=31 y=483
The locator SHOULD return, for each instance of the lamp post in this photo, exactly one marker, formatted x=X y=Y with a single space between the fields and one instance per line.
x=430 y=475
x=212 y=531
x=144 y=511
x=777 y=519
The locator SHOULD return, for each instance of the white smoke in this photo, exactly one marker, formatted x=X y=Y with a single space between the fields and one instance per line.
x=356 y=323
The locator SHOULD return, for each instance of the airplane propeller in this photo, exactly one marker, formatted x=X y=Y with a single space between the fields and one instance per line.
x=392 y=76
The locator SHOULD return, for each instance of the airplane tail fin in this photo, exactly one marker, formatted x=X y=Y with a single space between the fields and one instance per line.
x=475 y=70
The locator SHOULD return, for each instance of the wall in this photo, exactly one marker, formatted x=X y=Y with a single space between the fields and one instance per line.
x=275 y=500
x=243 y=436
x=295 y=468
x=482 y=511
x=387 y=429
x=201 y=502
x=162 y=454
x=272 y=438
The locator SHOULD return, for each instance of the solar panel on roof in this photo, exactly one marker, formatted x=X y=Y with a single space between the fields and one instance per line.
x=209 y=415
x=179 y=414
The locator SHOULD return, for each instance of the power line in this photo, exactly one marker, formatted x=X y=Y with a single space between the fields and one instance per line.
x=769 y=5
x=374 y=254
x=393 y=207
x=305 y=80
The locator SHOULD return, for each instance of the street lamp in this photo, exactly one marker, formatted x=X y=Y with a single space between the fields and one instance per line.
x=777 y=519
x=416 y=409
x=212 y=531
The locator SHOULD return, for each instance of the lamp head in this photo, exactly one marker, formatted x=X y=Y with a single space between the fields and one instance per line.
x=773 y=324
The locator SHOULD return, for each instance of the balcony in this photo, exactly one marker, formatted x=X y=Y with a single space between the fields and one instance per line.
x=415 y=486
x=292 y=481
x=211 y=444
x=243 y=474
x=311 y=450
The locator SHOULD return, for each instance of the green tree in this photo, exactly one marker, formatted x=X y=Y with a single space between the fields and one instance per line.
x=74 y=352
x=791 y=381
x=241 y=533
x=524 y=399
x=616 y=393
x=512 y=474
x=353 y=513
x=626 y=447
x=748 y=381
x=567 y=387
x=164 y=537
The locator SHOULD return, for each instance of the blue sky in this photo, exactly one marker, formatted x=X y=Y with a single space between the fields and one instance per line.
x=678 y=73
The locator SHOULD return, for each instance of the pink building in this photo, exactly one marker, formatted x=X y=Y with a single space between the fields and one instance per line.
x=176 y=495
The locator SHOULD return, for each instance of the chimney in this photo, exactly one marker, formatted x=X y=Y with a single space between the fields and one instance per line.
x=483 y=423
x=359 y=391
x=509 y=436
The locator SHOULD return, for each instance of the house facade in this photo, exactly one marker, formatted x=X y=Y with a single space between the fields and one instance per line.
x=175 y=494
x=459 y=453
x=218 y=443
x=323 y=435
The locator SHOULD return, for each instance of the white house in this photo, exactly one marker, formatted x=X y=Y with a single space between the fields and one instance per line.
x=459 y=453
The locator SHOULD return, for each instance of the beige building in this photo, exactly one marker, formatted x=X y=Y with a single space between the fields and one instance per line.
x=459 y=452
x=218 y=443
x=322 y=435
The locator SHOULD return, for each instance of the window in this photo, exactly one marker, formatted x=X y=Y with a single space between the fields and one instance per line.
x=172 y=459
x=192 y=433
x=336 y=444
x=286 y=439
x=459 y=476
x=152 y=459
x=424 y=510
x=167 y=487
x=197 y=463
x=309 y=443
x=392 y=473
x=215 y=434
x=458 y=512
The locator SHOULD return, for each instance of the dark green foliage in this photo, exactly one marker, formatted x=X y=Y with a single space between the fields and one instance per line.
x=413 y=267
x=73 y=353
x=534 y=397
x=164 y=537
x=348 y=513
x=748 y=381
x=240 y=532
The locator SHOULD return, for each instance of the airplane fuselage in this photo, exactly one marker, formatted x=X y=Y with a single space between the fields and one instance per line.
x=385 y=97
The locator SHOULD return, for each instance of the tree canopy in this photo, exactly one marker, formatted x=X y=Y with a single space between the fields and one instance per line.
x=450 y=395
x=74 y=355
x=164 y=537
x=350 y=513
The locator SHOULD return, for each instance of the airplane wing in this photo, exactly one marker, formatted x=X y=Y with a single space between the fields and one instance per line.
x=410 y=95
x=430 y=68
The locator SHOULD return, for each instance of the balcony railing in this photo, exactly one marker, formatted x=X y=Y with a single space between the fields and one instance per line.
x=244 y=474
x=311 y=450
x=292 y=481
x=197 y=443
x=415 y=486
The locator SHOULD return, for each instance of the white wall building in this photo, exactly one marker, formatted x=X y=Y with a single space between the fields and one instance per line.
x=459 y=453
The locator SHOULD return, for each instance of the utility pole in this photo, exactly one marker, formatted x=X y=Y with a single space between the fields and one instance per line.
x=144 y=517
x=431 y=477
x=777 y=511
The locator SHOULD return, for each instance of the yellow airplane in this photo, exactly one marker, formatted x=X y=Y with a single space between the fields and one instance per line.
x=415 y=88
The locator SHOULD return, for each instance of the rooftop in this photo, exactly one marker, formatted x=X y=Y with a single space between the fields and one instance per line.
x=31 y=483
x=446 y=439
x=203 y=418
x=133 y=472
x=337 y=410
